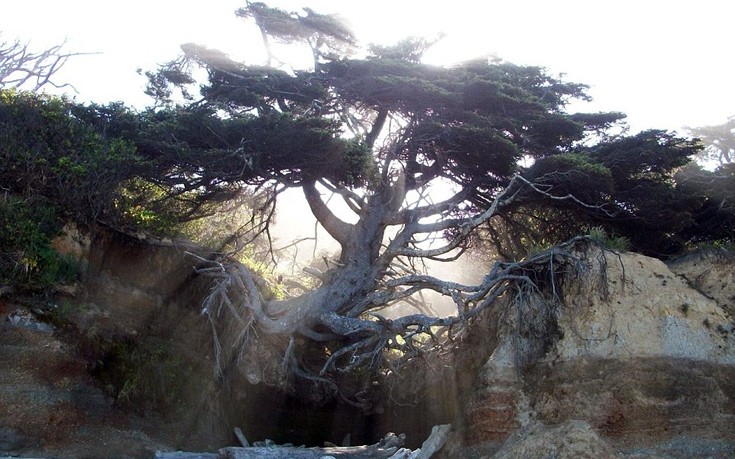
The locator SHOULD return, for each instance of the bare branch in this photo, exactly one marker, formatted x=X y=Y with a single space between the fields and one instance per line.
x=538 y=187
x=21 y=68
x=414 y=215
x=400 y=245
x=353 y=200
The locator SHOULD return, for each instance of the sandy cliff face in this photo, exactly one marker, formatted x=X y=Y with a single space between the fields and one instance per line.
x=710 y=272
x=641 y=353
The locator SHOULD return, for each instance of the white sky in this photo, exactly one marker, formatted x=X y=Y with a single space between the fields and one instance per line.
x=667 y=64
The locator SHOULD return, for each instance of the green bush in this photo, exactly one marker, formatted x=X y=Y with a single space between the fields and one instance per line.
x=616 y=243
x=50 y=148
x=27 y=260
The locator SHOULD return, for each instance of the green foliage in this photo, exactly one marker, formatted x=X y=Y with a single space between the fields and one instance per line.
x=603 y=239
x=108 y=163
x=27 y=260
x=50 y=151
x=195 y=149
x=143 y=205
x=628 y=187
x=715 y=216
x=576 y=174
x=359 y=167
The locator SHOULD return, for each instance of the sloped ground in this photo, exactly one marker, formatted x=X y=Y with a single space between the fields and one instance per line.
x=50 y=406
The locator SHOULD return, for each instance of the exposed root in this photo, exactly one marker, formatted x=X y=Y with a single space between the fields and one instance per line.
x=247 y=334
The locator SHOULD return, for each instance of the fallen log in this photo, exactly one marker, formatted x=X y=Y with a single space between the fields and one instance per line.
x=384 y=449
x=435 y=442
x=390 y=447
x=185 y=455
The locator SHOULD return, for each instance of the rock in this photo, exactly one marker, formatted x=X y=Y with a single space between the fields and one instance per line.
x=637 y=353
x=72 y=242
x=634 y=306
x=11 y=439
x=25 y=319
x=569 y=440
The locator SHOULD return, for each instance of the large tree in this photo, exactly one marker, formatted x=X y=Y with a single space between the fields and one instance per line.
x=384 y=133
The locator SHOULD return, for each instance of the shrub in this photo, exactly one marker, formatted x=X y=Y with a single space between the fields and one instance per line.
x=616 y=243
x=27 y=260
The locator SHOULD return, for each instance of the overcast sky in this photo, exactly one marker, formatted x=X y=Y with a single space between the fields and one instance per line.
x=667 y=64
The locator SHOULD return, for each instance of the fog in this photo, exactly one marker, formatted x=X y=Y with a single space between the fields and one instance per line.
x=294 y=222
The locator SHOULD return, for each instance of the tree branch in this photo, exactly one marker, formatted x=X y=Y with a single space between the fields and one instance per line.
x=353 y=200
x=377 y=127
x=336 y=228
x=19 y=66
x=406 y=216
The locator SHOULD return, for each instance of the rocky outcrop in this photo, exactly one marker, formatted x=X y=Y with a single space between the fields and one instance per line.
x=638 y=352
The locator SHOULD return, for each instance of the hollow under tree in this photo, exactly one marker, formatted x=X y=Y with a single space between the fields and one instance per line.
x=382 y=133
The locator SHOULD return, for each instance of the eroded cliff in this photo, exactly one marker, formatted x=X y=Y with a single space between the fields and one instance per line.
x=637 y=355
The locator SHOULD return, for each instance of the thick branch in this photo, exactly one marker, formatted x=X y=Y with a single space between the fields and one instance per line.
x=336 y=228
x=353 y=200
x=399 y=246
x=377 y=127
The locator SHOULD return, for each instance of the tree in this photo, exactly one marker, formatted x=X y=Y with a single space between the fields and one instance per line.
x=381 y=133
x=715 y=191
x=52 y=151
x=23 y=68
x=719 y=142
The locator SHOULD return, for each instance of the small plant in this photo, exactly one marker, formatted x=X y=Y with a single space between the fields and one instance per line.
x=144 y=375
x=684 y=308
x=538 y=247
x=27 y=259
x=615 y=243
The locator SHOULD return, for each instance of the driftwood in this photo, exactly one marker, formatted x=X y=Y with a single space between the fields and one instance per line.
x=185 y=455
x=435 y=442
x=388 y=448
x=241 y=437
